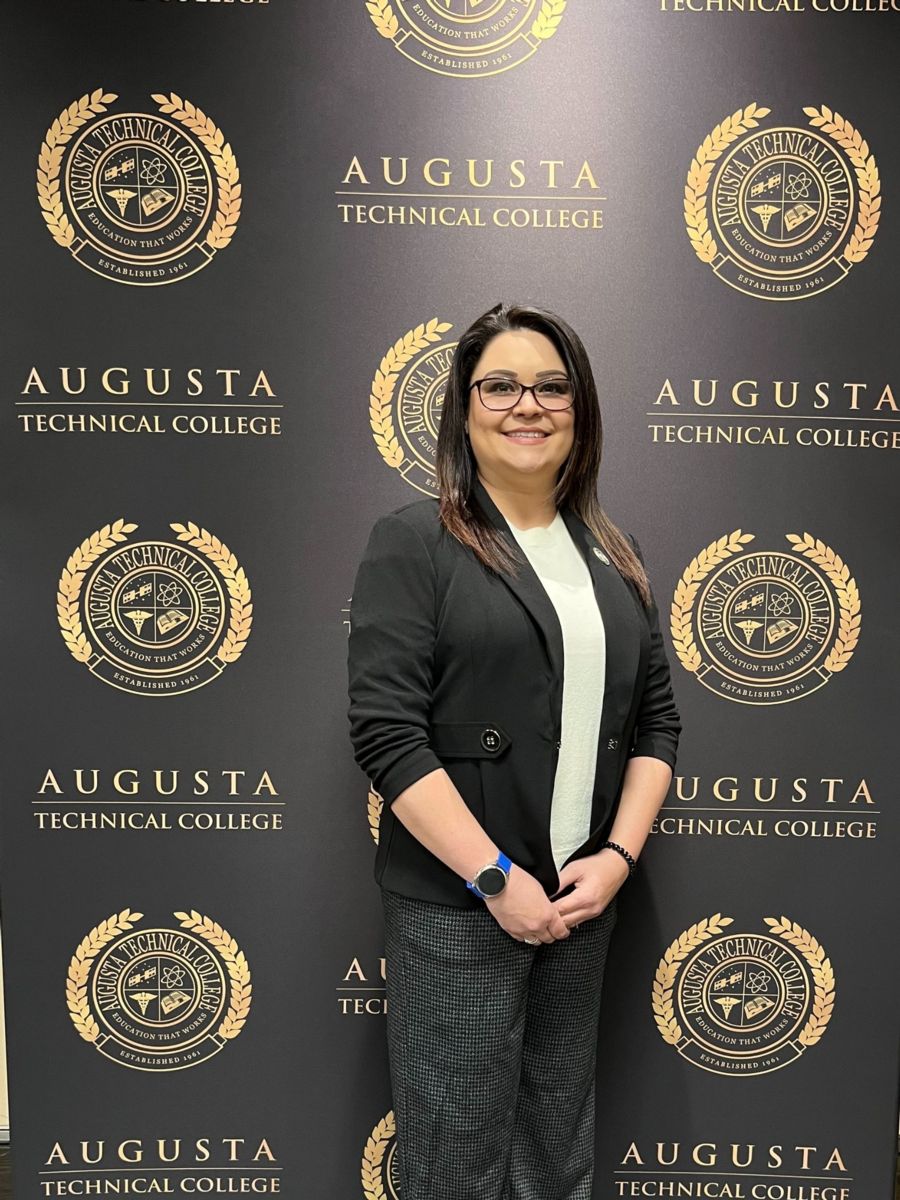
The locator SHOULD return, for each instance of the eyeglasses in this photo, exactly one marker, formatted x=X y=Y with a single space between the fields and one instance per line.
x=499 y=394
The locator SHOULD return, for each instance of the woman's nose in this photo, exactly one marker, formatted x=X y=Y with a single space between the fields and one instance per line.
x=527 y=401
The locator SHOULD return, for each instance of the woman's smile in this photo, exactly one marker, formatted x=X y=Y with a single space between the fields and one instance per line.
x=525 y=435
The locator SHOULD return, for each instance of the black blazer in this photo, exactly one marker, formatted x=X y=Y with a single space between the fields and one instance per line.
x=451 y=665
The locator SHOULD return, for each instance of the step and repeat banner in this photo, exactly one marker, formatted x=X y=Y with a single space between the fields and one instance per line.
x=242 y=241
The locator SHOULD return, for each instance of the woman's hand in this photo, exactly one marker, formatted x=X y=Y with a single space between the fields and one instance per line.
x=597 y=878
x=524 y=909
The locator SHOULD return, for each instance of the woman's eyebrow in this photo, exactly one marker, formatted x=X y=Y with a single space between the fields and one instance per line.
x=515 y=374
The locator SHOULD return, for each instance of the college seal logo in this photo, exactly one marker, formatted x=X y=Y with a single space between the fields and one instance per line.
x=743 y=1003
x=155 y=617
x=407 y=395
x=782 y=212
x=765 y=626
x=158 y=999
x=467 y=37
x=380 y=1174
x=138 y=197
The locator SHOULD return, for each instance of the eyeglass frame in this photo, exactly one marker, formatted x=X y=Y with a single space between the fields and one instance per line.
x=523 y=388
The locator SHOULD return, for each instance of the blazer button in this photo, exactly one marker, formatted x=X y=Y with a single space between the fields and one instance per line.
x=490 y=739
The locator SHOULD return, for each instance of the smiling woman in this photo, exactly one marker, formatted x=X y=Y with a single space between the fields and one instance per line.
x=511 y=704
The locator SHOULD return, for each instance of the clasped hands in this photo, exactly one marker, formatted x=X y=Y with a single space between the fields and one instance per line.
x=525 y=911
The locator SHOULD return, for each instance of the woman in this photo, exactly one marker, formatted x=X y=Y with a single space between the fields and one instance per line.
x=510 y=701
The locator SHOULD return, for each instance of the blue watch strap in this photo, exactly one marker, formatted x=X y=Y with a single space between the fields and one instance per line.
x=503 y=861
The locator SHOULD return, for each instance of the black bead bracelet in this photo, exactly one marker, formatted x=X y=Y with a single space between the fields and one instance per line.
x=632 y=865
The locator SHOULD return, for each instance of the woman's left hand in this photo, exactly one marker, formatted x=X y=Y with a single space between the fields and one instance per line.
x=597 y=878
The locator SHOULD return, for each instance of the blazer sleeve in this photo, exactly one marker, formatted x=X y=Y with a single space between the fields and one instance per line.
x=658 y=723
x=390 y=659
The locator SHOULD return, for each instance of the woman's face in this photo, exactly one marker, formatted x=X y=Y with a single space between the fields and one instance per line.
x=523 y=355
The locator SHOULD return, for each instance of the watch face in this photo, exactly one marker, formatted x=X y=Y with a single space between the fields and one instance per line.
x=491 y=880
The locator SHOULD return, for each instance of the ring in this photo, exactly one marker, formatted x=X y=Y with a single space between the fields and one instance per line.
x=532 y=941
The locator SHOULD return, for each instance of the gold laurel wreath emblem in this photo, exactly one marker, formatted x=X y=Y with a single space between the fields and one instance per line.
x=373 y=1158
x=228 y=209
x=822 y=973
x=236 y=964
x=666 y=972
x=93 y=547
x=740 y=122
x=381 y=393
x=867 y=178
x=80 y=968
x=798 y=937
x=95 y=103
x=543 y=27
x=107 y=931
x=374 y=807
x=710 y=150
x=681 y=620
x=849 y=620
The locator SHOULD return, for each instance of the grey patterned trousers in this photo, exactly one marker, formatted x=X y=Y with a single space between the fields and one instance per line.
x=492 y=1049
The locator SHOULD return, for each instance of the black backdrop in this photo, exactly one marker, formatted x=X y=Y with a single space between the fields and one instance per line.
x=316 y=286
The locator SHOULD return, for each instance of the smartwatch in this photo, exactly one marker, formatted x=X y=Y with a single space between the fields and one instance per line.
x=490 y=880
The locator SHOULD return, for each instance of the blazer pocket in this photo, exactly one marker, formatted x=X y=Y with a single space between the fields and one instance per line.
x=469 y=739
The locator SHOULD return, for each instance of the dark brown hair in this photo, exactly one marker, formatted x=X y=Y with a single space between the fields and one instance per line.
x=576 y=484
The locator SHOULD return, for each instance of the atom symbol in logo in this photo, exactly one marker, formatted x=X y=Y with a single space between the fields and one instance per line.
x=170 y=593
x=172 y=977
x=757 y=981
x=780 y=605
x=798 y=186
x=153 y=171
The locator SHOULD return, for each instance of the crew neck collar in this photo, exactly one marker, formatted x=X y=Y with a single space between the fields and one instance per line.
x=537 y=529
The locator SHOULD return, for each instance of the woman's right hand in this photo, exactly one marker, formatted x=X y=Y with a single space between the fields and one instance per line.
x=524 y=909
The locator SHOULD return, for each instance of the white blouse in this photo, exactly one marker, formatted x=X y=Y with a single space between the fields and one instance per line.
x=564 y=574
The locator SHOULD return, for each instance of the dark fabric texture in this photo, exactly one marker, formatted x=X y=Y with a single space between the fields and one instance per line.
x=492 y=1047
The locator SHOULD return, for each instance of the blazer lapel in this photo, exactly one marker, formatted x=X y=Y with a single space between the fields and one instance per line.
x=526 y=586
x=617 y=606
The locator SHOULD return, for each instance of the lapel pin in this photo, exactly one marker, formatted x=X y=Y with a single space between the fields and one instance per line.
x=601 y=555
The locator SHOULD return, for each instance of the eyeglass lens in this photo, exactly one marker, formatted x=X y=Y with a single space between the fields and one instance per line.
x=505 y=393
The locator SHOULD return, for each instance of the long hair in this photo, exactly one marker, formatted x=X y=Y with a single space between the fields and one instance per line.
x=576 y=483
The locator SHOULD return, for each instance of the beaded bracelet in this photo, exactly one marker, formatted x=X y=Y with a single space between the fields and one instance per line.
x=632 y=865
